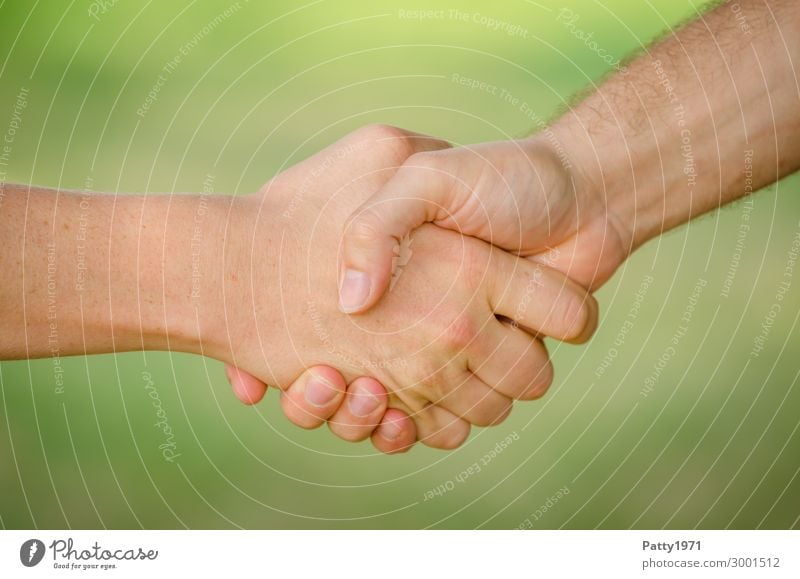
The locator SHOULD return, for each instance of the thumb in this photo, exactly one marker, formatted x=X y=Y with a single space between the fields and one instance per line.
x=419 y=192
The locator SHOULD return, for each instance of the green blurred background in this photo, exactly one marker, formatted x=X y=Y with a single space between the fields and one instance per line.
x=715 y=444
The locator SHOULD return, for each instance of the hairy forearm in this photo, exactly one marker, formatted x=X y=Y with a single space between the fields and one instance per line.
x=705 y=116
x=92 y=273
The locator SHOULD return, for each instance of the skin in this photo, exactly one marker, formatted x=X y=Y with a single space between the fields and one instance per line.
x=241 y=279
x=436 y=343
x=612 y=173
x=391 y=430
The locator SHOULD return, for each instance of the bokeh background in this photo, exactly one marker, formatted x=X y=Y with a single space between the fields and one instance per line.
x=713 y=443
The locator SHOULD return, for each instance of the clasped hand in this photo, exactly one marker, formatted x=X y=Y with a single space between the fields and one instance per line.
x=459 y=336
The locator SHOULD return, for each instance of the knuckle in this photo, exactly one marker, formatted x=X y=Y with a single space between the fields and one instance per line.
x=490 y=413
x=432 y=387
x=500 y=417
x=449 y=438
x=394 y=141
x=540 y=383
x=575 y=311
x=490 y=409
x=592 y=318
x=439 y=429
x=364 y=229
x=454 y=436
x=483 y=419
x=460 y=333
x=379 y=131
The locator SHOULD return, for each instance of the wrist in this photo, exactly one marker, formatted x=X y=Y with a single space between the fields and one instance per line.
x=608 y=182
x=239 y=302
x=179 y=274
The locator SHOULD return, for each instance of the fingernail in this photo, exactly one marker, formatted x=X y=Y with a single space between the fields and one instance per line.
x=391 y=430
x=354 y=291
x=318 y=392
x=362 y=403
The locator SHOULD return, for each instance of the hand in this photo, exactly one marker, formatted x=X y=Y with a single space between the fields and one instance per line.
x=518 y=195
x=459 y=365
x=391 y=431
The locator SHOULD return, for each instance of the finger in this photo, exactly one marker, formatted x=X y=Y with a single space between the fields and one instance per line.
x=440 y=428
x=313 y=397
x=417 y=193
x=436 y=426
x=396 y=433
x=247 y=388
x=516 y=364
x=540 y=298
x=476 y=402
x=364 y=406
x=411 y=141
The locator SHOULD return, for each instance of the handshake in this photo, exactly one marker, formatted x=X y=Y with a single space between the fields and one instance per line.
x=452 y=264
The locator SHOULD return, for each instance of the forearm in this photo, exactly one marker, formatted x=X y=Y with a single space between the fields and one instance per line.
x=89 y=273
x=709 y=114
